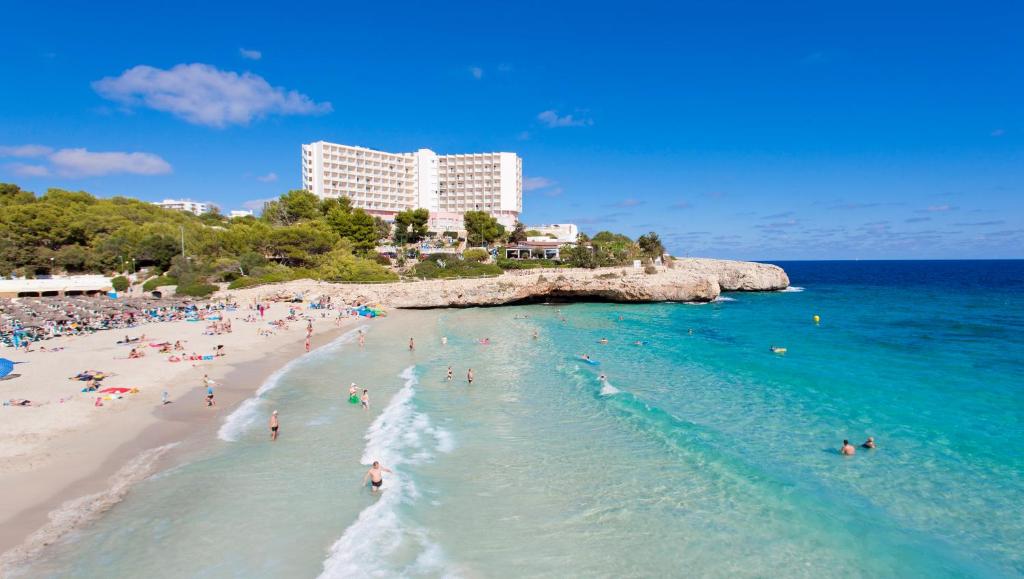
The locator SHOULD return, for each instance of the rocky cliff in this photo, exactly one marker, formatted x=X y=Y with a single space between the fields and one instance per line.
x=687 y=280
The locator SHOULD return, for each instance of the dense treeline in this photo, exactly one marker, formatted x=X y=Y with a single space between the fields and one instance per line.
x=297 y=235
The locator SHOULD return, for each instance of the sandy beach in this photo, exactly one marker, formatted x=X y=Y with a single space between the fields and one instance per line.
x=64 y=460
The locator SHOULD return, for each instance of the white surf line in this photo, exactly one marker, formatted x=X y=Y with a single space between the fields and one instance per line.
x=75 y=513
x=395 y=438
x=242 y=418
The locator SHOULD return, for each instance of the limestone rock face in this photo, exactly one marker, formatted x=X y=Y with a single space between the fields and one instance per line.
x=687 y=280
x=743 y=276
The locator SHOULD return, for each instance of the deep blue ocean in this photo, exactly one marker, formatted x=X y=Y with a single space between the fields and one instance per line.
x=699 y=453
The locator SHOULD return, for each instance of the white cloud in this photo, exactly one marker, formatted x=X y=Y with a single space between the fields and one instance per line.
x=25 y=170
x=250 y=54
x=24 y=151
x=205 y=95
x=553 y=120
x=268 y=178
x=477 y=72
x=82 y=162
x=627 y=203
x=534 y=183
x=85 y=163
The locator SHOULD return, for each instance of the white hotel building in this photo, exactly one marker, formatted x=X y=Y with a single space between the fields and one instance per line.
x=446 y=185
x=185 y=205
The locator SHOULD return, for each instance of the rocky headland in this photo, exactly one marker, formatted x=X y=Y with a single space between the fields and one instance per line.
x=685 y=280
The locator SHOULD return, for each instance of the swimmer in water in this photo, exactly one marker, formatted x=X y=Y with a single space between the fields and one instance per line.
x=585 y=356
x=603 y=341
x=375 y=476
x=602 y=377
x=535 y=334
x=847 y=449
x=638 y=343
x=869 y=443
x=450 y=374
x=412 y=344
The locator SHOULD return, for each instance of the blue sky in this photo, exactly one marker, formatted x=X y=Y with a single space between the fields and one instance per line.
x=754 y=130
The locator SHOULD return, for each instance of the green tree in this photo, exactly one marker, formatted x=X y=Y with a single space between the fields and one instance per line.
x=650 y=245
x=357 y=226
x=341 y=265
x=518 y=234
x=383 y=227
x=481 y=228
x=294 y=206
x=413 y=224
x=301 y=244
x=120 y=283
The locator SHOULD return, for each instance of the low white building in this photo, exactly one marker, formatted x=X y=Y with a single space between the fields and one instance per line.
x=55 y=286
x=561 y=232
x=185 y=205
x=240 y=213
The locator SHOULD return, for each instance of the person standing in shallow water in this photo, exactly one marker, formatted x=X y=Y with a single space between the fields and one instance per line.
x=450 y=374
x=412 y=344
x=365 y=399
x=376 y=476
x=274 y=425
x=469 y=376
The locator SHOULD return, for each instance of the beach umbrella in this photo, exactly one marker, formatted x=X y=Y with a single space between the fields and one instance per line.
x=6 y=367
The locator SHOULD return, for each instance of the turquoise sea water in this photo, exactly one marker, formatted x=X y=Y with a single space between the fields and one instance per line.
x=702 y=454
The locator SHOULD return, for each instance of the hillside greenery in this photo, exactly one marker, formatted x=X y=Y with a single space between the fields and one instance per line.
x=297 y=236
x=76 y=232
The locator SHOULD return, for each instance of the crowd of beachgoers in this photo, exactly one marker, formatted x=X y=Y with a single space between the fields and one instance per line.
x=24 y=321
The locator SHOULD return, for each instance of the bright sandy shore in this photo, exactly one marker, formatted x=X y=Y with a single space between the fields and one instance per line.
x=53 y=455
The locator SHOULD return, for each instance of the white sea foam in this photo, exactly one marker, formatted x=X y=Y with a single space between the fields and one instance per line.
x=399 y=436
x=724 y=299
x=242 y=418
x=77 y=512
x=792 y=289
x=608 y=390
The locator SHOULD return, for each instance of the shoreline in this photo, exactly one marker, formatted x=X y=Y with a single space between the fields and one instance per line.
x=99 y=462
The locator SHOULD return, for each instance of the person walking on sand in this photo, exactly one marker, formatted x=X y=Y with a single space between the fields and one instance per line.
x=307 y=344
x=274 y=425
x=364 y=400
x=450 y=373
x=847 y=449
x=375 y=476
x=412 y=344
x=209 y=390
x=362 y=339
x=469 y=376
